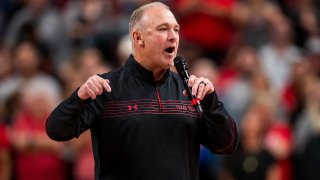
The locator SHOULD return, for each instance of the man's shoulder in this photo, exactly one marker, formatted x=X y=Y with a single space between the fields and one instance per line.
x=114 y=74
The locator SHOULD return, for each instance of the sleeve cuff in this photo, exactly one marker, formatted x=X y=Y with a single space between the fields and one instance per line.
x=75 y=98
x=210 y=101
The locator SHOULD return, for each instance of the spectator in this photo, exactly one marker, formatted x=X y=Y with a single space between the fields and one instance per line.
x=306 y=130
x=251 y=160
x=253 y=18
x=279 y=142
x=37 y=157
x=91 y=62
x=39 y=22
x=305 y=17
x=97 y=24
x=307 y=120
x=211 y=19
x=240 y=89
x=26 y=66
x=84 y=163
x=278 y=56
x=292 y=97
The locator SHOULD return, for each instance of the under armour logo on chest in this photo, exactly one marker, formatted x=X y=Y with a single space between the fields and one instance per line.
x=133 y=107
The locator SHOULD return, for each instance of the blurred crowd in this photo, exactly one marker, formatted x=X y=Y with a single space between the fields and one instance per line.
x=263 y=57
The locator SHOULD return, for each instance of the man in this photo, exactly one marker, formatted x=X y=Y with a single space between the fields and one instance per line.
x=142 y=126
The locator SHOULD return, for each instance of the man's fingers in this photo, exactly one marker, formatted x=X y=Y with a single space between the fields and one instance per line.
x=204 y=91
x=191 y=80
x=90 y=92
x=105 y=84
x=99 y=85
x=200 y=90
x=208 y=89
x=102 y=83
x=92 y=85
x=200 y=86
x=195 y=86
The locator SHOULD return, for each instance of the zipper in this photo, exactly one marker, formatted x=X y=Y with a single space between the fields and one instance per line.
x=158 y=96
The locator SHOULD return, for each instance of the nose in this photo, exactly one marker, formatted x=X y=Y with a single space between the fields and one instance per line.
x=173 y=35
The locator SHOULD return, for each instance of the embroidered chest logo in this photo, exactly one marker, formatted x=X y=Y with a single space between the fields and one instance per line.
x=185 y=108
x=133 y=107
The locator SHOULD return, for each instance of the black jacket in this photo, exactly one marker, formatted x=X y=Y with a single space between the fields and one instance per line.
x=145 y=129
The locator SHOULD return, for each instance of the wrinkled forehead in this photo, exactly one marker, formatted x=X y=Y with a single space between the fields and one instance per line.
x=158 y=15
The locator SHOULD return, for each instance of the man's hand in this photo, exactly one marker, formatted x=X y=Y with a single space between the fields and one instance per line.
x=199 y=86
x=93 y=86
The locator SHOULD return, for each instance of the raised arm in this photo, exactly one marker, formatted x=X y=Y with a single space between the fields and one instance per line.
x=218 y=130
x=76 y=113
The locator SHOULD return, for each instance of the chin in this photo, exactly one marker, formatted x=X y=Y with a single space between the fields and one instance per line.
x=166 y=66
x=167 y=62
x=170 y=64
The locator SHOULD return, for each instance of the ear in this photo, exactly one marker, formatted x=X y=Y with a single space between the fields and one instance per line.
x=138 y=38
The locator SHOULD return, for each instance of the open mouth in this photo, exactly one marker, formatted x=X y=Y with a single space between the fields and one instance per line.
x=170 y=50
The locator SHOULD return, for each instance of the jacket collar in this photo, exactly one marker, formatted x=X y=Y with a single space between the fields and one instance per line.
x=136 y=69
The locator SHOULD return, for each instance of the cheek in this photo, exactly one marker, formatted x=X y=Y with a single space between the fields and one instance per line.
x=159 y=38
x=155 y=47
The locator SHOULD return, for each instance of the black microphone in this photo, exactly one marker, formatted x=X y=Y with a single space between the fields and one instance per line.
x=182 y=69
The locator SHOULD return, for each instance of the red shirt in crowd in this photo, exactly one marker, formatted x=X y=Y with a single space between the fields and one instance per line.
x=37 y=164
x=210 y=32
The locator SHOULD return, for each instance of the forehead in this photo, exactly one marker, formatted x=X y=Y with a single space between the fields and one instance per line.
x=158 y=15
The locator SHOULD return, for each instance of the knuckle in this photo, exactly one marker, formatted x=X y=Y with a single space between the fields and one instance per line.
x=91 y=78
x=96 y=76
x=89 y=82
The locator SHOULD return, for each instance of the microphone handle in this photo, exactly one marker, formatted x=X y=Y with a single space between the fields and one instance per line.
x=195 y=102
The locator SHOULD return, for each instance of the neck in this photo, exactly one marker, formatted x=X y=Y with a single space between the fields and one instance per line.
x=158 y=73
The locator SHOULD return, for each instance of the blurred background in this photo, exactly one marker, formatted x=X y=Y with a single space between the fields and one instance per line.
x=263 y=57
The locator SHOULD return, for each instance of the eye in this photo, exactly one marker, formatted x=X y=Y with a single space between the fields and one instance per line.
x=162 y=29
x=176 y=30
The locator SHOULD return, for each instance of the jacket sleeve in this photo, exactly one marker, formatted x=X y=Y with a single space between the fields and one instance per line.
x=218 y=129
x=71 y=117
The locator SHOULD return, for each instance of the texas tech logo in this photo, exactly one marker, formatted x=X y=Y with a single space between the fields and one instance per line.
x=185 y=108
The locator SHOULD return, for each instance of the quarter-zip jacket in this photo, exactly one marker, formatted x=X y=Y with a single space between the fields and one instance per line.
x=144 y=129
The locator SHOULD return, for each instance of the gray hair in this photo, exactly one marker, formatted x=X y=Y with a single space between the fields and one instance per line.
x=138 y=13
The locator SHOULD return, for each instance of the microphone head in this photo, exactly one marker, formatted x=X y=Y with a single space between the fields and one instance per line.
x=180 y=63
x=178 y=59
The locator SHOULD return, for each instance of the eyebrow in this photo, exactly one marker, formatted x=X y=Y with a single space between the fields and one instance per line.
x=167 y=24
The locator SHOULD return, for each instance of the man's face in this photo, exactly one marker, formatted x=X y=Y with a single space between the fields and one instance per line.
x=161 y=36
